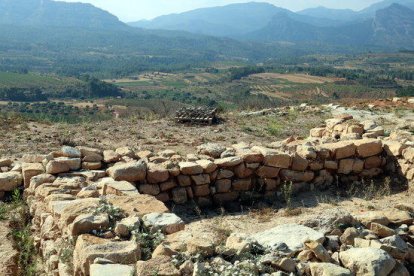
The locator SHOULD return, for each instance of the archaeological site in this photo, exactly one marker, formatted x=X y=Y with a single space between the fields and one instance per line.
x=244 y=209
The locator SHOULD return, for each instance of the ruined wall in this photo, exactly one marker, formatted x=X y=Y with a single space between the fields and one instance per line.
x=64 y=189
x=218 y=174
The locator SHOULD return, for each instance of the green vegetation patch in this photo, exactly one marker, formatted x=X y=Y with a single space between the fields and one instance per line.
x=33 y=80
x=56 y=112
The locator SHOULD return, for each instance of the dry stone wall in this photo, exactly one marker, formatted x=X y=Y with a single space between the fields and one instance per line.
x=95 y=200
x=217 y=174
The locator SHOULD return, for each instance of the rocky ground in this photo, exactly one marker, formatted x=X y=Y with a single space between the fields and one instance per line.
x=156 y=134
x=349 y=209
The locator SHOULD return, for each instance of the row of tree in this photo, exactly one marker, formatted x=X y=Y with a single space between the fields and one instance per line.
x=92 y=88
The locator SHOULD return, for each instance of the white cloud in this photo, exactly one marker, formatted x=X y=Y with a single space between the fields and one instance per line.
x=130 y=10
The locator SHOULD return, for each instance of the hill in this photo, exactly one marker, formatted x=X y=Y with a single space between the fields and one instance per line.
x=57 y=14
x=342 y=15
x=347 y=15
x=371 y=10
x=395 y=26
x=390 y=28
x=234 y=19
x=263 y=22
x=73 y=39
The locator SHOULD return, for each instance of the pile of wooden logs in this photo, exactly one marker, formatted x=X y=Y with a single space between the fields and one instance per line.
x=196 y=115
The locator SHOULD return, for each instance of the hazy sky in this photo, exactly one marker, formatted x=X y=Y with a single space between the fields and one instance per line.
x=132 y=10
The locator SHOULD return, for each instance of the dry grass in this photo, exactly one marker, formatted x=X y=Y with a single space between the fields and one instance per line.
x=297 y=78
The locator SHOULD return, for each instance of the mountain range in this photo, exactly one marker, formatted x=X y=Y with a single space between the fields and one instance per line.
x=77 y=37
x=56 y=14
x=263 y=22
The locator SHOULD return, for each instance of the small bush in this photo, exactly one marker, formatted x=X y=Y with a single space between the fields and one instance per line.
x=27 y=250
x=148 y=241
x=3 y=211
x=274 y=128
x=115 y=214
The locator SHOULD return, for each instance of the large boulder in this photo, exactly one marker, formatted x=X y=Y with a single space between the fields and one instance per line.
x=10 y=181
x=110 y=156
x=274 y=158
x=168 y=223
x=111 y=270
x=90 y=154
x=111 y=186
x=207 y=165
x=132 y=171
x=295 y=176
x=161 y=265
x=399 y=217
x=394 y=148
x=367 y=218
x=368 y=147
x=126 y=152
x=40 y=179
x=62 y=165
x=88 y=248
x=211 y=149
x=157 y=174
x=328 y=269
x=139 y=204
x=226 y=162
x=293 y=235
x=74 y=208
x=29 y=170
x=249 y=156
x=237 y=244
x=340 y=150
x=367 y=261
x=190 y=168
x=124 y=227
x=267 y=172
x=70 y=152
x=381 y=230
x=84 y=224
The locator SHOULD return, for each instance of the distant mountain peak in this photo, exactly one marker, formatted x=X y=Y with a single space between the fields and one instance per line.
x=56 y=14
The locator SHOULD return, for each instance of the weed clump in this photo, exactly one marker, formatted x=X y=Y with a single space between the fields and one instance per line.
x=22 y=236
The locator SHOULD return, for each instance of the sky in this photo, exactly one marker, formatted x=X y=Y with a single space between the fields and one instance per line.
x=134 y=10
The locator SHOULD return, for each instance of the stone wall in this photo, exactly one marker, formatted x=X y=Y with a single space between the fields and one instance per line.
x=217 y=174
x=87 y=204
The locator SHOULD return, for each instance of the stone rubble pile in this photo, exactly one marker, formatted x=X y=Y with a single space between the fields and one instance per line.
x=403 y=100
x=304 y=108
x=369 y=243
x=103 y=210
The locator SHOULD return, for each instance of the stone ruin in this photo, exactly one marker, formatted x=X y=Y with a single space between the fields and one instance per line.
x=70 y=191
x=196 y=115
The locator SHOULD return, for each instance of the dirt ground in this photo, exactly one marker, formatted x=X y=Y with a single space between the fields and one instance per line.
x=315 y=209
x=297 y=78
x=155 y=134
x=23 y=137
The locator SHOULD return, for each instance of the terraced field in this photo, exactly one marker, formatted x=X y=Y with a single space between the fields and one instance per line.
x=295 y=78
